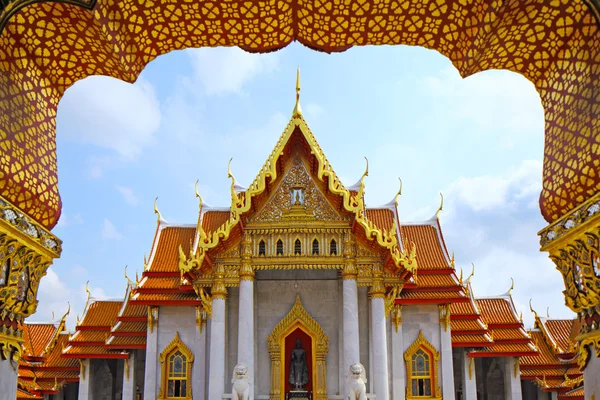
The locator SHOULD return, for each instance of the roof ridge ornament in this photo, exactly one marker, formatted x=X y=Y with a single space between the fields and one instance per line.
x=157 y=212
x=548 y=312
x=511 y=288
x=441 y=207
x=297 y=109
x=533 y=311
x=468 y=280
x=399 y=193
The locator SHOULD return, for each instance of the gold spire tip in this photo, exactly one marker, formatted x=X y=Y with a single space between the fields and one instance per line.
x=156 y=210
x=512 y=286
x=441 y=207
x=297 y=109
x=399 y=193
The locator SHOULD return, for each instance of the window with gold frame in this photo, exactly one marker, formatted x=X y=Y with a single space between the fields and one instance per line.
x=422 y=361
x=176 y=371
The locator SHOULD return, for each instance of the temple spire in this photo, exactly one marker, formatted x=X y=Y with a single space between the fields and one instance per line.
x=297 y=109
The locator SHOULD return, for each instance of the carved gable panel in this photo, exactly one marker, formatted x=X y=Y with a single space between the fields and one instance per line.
x=297 y=197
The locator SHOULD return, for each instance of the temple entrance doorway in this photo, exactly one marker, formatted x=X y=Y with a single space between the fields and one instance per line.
x=298 y=347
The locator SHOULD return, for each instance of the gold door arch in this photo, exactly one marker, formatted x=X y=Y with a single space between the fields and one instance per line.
x=298 y=317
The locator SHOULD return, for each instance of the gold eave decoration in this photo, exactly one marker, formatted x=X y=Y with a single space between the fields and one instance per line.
x=242 y=203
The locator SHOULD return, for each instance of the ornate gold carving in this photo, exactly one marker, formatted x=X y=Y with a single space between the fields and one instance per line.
x=219 y=291
x=397 y=316
x=422 y=344
x=350 y=271
x=246 y=272
x=516 y=367
x=377 y=287
x=351 y=202
x=206 y=301
x=298 y=317
x=471 y=362
x=127 y=369
x=200 y=318
x=175 y=345
x=82 y=369
x=445 y=316
x=390 y=299
x=152 y=317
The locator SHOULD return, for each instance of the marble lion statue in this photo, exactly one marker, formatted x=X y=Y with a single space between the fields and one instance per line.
x=241 y=383
x=357 y=385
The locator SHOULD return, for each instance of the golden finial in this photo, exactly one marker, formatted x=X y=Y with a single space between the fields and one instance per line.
x=67 y=313
x=77 y=319
x=532 y=310
x=52 y=316
x=297 y=109
x=145 y=262
x=521 y=317
x=460 y=279
x=129 y=281
x=137 y=278
x=439 y=210
x=366 y=173
x=362 y=179
x=472 y=272
x=156 y=211
x=399 y=191
x=55 y=384
x=512 y=286
x=87 y=290
x=198 y=195
x=548 y=312
x=452 y=260
x=230 y=176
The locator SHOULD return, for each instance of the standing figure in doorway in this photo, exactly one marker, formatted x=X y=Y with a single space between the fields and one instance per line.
x=298 y=367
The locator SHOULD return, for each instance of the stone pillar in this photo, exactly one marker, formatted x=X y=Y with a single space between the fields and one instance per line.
x=216 y=374
x=8 y=378
x=86 y=384
x=512 y=379
x=246 y=312
x=591 y=383
x=151 y=375
x=199 y=369
x=469 y=377
x=398 y=365
x=351 y=350
x=555 y=394
x=447 y=378
x=378 y=328
x=129 y=378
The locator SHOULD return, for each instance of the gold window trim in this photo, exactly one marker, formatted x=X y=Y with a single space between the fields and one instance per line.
x=298 y=317
x=418 y=344
x=176 y=344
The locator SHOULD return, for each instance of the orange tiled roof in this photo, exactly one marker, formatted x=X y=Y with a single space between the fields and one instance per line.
x=85 y=350
x=478 y=338
x=579 y=392
x=560 y=331
x=546 y=356
x=36 y=337
x=130 y=327
x=213 y=219
x=429 y=295
x=497 y=310
x=22 y=394
x=458 y=325
x=383 y=218
x=430 y=254
x=165 y=256
x=161 y=282
x=127 y=341
x=101 y=313
x=150 y=297
x=88 y=336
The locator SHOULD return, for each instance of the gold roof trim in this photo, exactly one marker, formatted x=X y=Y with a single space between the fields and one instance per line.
x=353 y=203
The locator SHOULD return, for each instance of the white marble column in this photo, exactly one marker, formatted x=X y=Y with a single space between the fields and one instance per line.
x=350 y=326
x=129 y=377
x=469 y=380
x=512 y=381
x=8 y=379
x=246 y=328
x=86 y=384
x=380 y=358
x=447 y=367
x=200 y=356
x=216 y=373
x=151 y=378
x=555 y=394
x=398 y=365
x=591 y=383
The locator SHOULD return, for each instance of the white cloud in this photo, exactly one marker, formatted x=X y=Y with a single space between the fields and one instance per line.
x=109 y=231
x=128 y=195
x=111 y=114
x=489 y=221
x=64 y=221
x=227 y=69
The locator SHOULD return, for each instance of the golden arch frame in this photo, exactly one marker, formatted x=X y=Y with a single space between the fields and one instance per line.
x=298 y=317
x=176 y=344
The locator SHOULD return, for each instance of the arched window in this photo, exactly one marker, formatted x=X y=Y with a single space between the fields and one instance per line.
x=333 y=247
x=315 y=247
x=262 y=248
x=421 y=370
x=279 y=247
x=297 y=247
x=176 y=371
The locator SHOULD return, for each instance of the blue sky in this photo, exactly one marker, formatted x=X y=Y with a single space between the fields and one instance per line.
x=477 y=140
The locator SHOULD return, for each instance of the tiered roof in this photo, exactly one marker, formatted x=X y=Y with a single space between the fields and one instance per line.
x=555 y=369
x=91 y=334
x=129 y=332
x=42 y=370
x=505 y=327
x=161 y=282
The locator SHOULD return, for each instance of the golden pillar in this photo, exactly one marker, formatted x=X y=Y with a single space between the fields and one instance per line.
x=573 y=243
x=26 y=251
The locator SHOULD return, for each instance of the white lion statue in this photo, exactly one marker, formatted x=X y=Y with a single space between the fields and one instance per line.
x=357 y=388
x=241 y=383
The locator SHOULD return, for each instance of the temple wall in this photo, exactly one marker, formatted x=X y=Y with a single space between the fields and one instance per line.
x=275 y=294
x=426 y=318
x=182 y=320
x=231 y=331
x=363 y=328
x=8 y=380
x=590 y=377
x=529 y=390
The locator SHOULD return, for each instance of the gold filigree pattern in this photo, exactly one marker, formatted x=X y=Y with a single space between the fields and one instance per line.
x=422 y=344
x=298 y=317
x=176 y=345
x=445 y=316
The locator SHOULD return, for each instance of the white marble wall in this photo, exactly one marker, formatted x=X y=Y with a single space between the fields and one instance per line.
x=397 y=365
x=512 y=384
x=591 y=373
x=275 y=297
x=364 y=332
x=469 y=381
x=446 y=363
x=8 y=379
x=86 y=381
x=172 y=320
